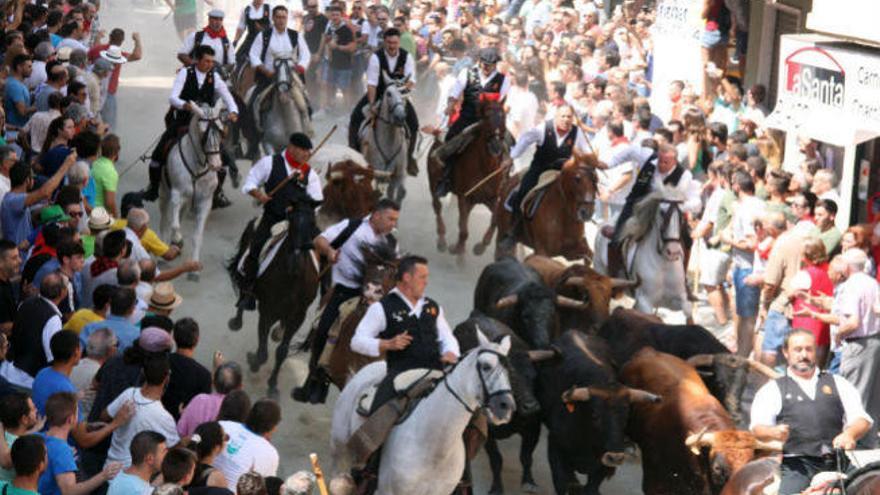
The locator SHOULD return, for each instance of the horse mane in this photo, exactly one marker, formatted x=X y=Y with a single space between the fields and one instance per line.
x=383 y=252
x=642 y=219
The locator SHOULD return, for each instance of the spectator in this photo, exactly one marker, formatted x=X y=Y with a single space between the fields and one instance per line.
x=179 y=466
x=38 y=319
x=147 y=454
x=105 y=176
x=102 y=270
x=10 y=264
x=823 y=185
x=145 y=285
x=68 y=262
x=60 y=477
x=19 y=417
x=112 y=52
x=99 y=221
x=30 y=461
x=100 y=347
x=250 y=446
x=82 y=317
x=207 y=442
x=164 y=299
x=56 y=147
x=122 y=306
x=56 y=83
x=8 y=158
x=188 y=377
x=824 y=214
x=55 y=378
x=206 y=406
x=811 y=283
x=251 y=483
x=128 y=275
x=102 y=69
x=149 y=240
x=138 y=223
x=339 y=42
x=15 y=214
x=17 y=98
x=859 y=236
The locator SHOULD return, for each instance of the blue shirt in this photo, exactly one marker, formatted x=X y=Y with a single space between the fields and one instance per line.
x=128 y=484
x=126 y=332
x=55 y=39
x=15 y=217
x=53 y=159
x=48 y=382
x=61 y=461
x=16 y=91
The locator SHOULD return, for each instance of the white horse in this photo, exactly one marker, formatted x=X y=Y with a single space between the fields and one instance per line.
x=386 y=140
x=425 y=455
x=191 y=175
x=288 y=111
x=654 y=254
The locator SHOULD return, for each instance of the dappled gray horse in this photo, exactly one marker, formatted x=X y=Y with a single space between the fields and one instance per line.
x=287 y=107
x=385 y=140
x=191 y=175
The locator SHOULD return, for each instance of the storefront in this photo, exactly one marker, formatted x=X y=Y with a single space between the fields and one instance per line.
x=676 y=39
x=829 y=91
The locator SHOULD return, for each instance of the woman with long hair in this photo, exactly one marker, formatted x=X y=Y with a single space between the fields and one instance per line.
x=207 y=442
x=56 y=147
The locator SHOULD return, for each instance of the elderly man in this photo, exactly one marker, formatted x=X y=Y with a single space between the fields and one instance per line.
x=138 y=223
x=213 y=35
x=100 y=347
x=205 y=407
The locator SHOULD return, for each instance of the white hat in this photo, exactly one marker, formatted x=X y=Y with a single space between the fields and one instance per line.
x=100 y=219
x=217 y=13
x=113 y=53
x=63 y=54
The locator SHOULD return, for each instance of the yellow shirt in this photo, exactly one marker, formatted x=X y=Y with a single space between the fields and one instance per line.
x=150 y=240
x=80 y=319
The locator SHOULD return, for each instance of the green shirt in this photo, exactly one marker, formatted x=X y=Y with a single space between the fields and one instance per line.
x=831 y=239
x=408 y=43
x=8 y=474
x=106 y=179
x=784 y=209
x=13 y=490
x=184 y=6
x=88 y=244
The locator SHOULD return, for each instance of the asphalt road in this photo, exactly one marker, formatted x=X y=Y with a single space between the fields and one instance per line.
x=142 y=101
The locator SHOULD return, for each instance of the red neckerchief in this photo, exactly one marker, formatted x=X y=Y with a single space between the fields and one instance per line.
x=102 y=264
x=302 y=168
x=619 y=140
x=215 y=34
x=490 y=97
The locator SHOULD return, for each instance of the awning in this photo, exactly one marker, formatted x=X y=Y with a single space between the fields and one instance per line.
x=820 y=127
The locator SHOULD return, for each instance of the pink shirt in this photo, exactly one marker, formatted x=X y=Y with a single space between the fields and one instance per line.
x=201 y=409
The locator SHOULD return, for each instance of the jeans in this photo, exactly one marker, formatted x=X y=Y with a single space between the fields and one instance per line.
x=747 y=296
x=776 y=327
x=338 y=78
x=108 y=111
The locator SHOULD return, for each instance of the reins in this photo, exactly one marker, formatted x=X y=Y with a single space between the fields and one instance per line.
x=485 y=389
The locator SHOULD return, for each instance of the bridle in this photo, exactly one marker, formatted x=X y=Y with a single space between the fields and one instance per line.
x=282 y=66
x=212 y=127
x=487 y=396
x=672 y=211
x=387 y=158
x=589 y=203
x=493 y=125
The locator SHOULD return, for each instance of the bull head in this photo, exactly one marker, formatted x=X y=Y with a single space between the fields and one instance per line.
x=702 y=360
x=567 y=302
x=583 y=394
x=697 y=441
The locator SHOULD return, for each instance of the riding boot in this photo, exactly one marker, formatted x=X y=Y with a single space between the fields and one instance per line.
x=615 y=258
x=444 y=185
x=151 y=193
x=315 y=388
x=220 y=199
x=232 y=168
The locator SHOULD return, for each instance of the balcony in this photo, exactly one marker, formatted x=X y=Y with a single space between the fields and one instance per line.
x=853 y=19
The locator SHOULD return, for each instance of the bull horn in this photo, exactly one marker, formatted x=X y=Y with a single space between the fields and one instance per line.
x=622 y=283
x=696 y=441
x=637 y=396
x=567 y=302
x=772 y=445
x=701 y=360
x=336 y=175
x=576 y=394
x=381 y=174
x=574 y=281
x=507 y=301
x=540 y=355
x=763 y=369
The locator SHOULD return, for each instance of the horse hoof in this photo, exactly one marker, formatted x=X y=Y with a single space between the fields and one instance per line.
x=496 y=490
x=456 y=250
x=479 y=249
x=193 y=277
x=234 y=323
x=441 y=245
x=530 y=487
x=277 y=332
x=255 y=361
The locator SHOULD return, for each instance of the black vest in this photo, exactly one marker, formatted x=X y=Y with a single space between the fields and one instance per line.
x=26 y=343
x=267 y=37
x=814 y=423
x=198 y=41
x=424 y=350
x=472 y=91
x=549 y=154
x=191 y=90
x=292 y=192
x=674 y=177
x=251 y=24
x=398 y=73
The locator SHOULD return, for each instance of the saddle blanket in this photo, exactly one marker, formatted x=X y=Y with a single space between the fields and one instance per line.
x=403 y=383
x=270 y=249
x=532 y=198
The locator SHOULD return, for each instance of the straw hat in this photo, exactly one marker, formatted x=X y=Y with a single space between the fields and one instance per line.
x=164 y=296
x=113 y=53
x=100 y=219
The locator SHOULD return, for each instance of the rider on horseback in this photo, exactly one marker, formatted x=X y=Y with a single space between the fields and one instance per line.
x=287 y=179
x=389 y=64
x=214 y=36
x=471 y=86
x=343 y=245
x=193 y=86
x=554 y=139
x=254 y=19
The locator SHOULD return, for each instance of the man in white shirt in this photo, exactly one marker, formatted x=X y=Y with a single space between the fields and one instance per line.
x=409 y=328
x=296 y=183
x=810 y=412
x=255 y=17
x=523 y=106
x=280 y=40
x=249 y=446
x=214 y=35
x=193 y=86
x=343 y=245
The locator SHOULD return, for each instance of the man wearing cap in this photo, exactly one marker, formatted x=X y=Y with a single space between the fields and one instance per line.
x=214 y=35
x=471 y=87
x=193 y=86
x=112 y=52
x=394 y=63
x=163 y=299
x=99 y=221
x=270 y=173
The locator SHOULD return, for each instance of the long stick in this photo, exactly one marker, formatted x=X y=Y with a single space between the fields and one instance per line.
x=577 y=121
x=312 y=153
x=487 y=178
x=319 y=474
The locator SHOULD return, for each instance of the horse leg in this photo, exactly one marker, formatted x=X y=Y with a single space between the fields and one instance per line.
x=480 y=247
x=176 y=205
x=441 y=226
x=165 y=212
x=259 y=358
x=464 y=213
x=202 y=209
x=291 y=325
x=496 y=462
x=530 y=436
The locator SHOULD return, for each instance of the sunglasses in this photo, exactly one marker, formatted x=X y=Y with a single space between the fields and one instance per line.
x=75 y=214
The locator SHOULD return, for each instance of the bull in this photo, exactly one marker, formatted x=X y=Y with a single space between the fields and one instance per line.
x=514 y=293
x=581 y=283
x=348 y=192
x=586 y=428
x=689 y=442
x=523 y=373
x=724 y=373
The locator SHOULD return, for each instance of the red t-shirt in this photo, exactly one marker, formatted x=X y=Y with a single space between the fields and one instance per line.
x=821 y=284
x=95 y=52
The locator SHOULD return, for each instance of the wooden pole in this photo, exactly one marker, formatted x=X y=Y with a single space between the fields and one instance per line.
x=488 y=178
x=314 y=150
x=319 y=474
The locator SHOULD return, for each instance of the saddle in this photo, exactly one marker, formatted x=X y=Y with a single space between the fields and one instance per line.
x=346 y=309
x=270 y=249
x=532 y=199
x=455 y=145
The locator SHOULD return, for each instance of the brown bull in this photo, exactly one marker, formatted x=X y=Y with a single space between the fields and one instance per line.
x=348 y=192
x=557 y=228
x=689 y=443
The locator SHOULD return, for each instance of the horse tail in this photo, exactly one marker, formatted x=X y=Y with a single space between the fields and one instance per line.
x=233 y=262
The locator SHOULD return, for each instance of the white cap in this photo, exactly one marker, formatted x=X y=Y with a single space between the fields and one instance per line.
x=218 y=13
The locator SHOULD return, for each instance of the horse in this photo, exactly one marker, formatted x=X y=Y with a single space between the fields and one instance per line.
x=384 y=144
x=557 y=228
x=418 y=457
x=348 y=191
x=284 y=292
x=481 y=158
x=653 y=240
x=287 y=111
x=191 y=175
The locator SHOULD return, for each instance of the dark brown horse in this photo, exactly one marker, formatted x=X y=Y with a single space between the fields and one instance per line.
x=557 y=228
x=348 y=191
x=478 y=160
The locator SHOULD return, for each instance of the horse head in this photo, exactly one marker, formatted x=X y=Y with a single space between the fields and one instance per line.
x=669 y=220
x=579 y=182
x=393 y=104
x=493 y=127
x=485 y=370
x=283 y=67
x=380 y=271
x=207 y=128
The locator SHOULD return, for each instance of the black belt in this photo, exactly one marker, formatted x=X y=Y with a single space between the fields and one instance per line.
x=857 y=339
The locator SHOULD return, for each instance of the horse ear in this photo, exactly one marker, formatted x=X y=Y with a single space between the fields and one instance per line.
x=504 y=345
x=481 y=338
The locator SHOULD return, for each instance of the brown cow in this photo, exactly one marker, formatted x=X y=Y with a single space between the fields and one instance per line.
x=580 y=283
x=689 y=443
x=348 y=192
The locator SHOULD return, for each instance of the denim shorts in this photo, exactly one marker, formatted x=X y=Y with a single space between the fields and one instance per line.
x=338 y=78
x=747 y=296
x=776 y=327
x=711 y=39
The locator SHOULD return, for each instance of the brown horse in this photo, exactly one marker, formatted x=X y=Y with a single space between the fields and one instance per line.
x=348 y=191
x=478 y=160
x=557 y=228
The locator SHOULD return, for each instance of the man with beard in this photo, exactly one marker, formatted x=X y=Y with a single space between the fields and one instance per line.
x=810 y=411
